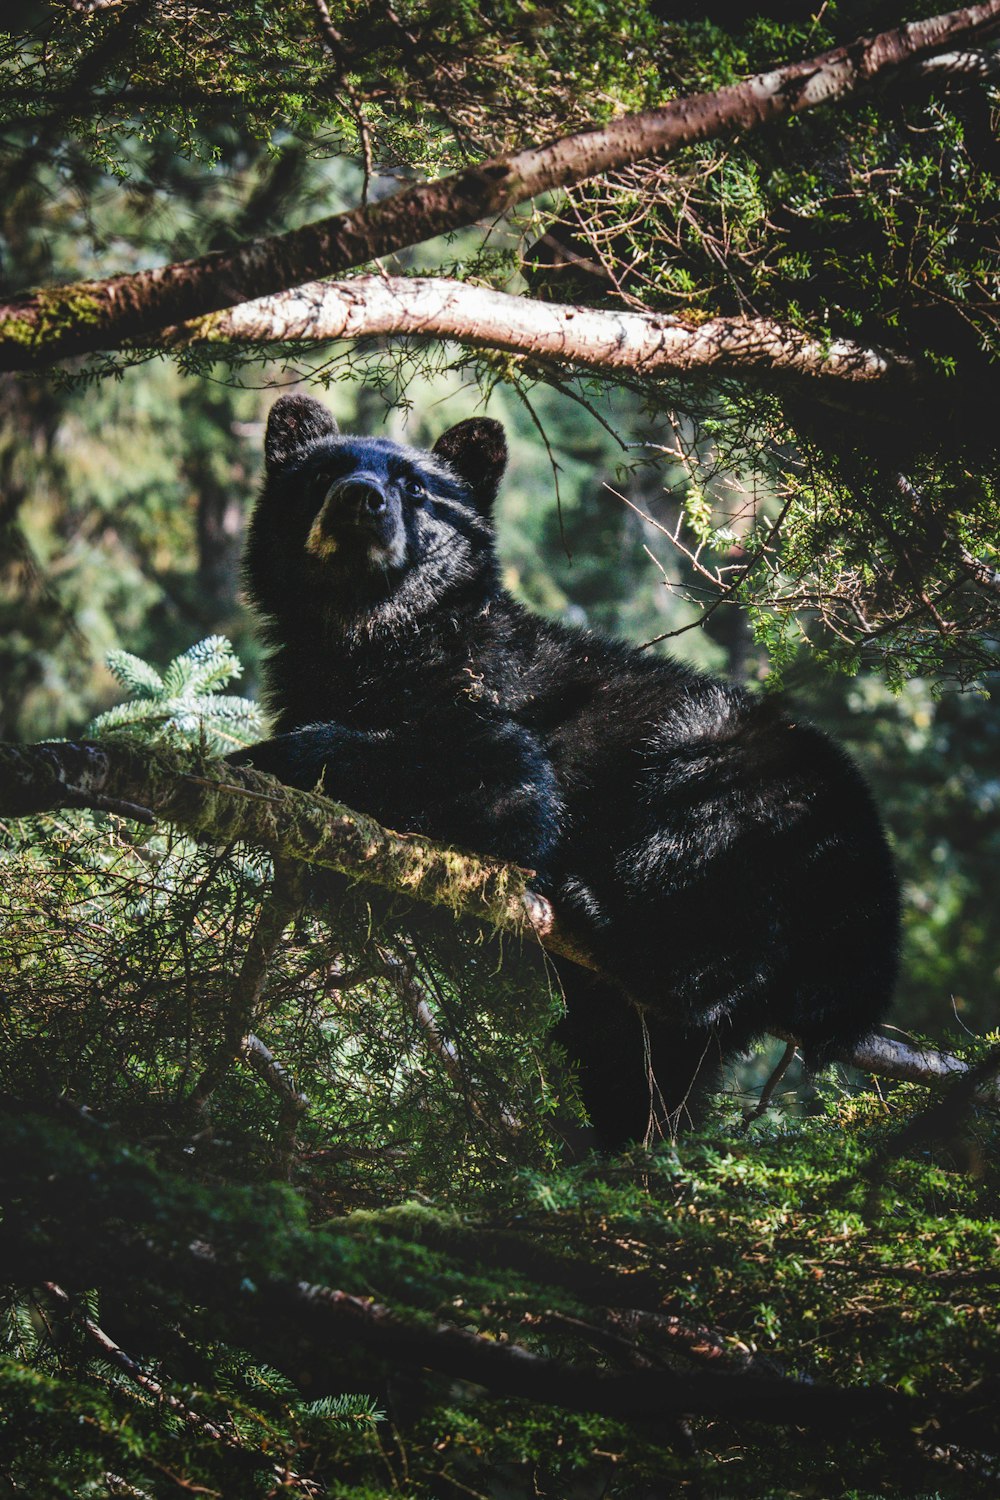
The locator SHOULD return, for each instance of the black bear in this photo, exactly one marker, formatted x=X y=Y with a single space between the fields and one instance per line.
x=724 y=863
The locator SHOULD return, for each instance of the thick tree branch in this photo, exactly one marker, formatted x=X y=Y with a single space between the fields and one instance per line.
x=507 y=1369
x=63 y=1218
x=302 y=1328
x=961 y=65
x=911 y=1064
x=86 y=316
x=225 y=803
x=649 y=344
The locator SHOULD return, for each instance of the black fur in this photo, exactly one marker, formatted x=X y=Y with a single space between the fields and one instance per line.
x=725 y=864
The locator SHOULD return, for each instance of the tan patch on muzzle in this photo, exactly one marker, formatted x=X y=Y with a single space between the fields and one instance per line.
x=318 y=542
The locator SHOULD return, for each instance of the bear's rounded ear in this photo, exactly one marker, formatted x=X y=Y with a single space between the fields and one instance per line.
x=477 y=451
x=294 y=423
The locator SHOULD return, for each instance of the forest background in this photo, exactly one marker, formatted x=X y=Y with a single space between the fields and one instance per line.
x=142 y=134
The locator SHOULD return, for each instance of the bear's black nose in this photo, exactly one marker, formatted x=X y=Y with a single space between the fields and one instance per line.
x=363 y=496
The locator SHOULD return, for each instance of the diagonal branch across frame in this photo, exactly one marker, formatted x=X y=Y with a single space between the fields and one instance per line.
x=82 y=317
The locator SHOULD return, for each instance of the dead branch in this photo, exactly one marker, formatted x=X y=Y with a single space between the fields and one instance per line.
x=767 y=1092
x=274 y=1073
x=651 y=344
x=401 y=975
x=280 y=904
x=403 y=980
x=116 y=1355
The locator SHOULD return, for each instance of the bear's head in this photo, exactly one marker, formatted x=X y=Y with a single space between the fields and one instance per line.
x=349 y=526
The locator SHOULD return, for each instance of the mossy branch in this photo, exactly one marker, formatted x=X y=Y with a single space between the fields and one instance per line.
x=225 y=804
x=62 y=1194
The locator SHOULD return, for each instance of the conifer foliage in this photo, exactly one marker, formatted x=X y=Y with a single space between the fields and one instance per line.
x=183 y=705
x=295 y=1189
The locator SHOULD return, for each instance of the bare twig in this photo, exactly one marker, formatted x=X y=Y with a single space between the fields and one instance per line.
x=334 y=42
x=767 y=1092
x=117 y=1356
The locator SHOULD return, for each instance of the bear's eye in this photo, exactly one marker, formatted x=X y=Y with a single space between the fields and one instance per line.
x=415 y=490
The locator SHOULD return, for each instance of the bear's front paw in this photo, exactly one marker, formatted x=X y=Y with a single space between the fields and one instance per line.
x=245 y=757
x=302 y=757
x=267 y=755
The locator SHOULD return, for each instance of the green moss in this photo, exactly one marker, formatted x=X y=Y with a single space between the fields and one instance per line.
x=20 y=331
x=68 y=307
x=52 y=315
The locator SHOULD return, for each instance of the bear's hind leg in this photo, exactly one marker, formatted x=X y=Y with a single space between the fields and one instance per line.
x=641 y=1077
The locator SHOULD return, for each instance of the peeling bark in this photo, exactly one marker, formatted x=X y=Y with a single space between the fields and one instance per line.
x=650 y=344
x=76 y=319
